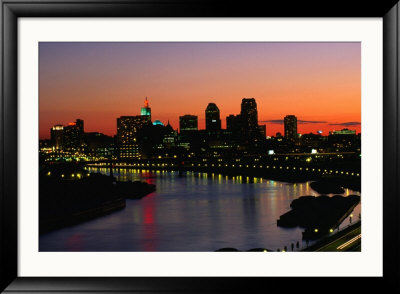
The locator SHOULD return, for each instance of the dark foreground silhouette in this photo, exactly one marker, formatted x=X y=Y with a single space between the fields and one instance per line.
x=69 y=195
x=318 y=215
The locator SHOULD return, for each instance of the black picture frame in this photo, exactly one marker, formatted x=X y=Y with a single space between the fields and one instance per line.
x=11 y=10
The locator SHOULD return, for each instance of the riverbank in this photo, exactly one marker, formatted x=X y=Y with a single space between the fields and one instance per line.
x=69 y=196
x=286 y=174
x=77 y=217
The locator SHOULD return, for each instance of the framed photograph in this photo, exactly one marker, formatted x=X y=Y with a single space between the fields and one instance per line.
x=190 y=146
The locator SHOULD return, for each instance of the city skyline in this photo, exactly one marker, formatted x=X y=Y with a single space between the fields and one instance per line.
x=319 y=83
x=146 y=111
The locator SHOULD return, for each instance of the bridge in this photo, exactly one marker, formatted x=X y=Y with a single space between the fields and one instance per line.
x=291 y=165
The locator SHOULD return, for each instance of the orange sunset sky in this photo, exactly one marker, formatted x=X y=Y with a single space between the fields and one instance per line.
x=320 y=83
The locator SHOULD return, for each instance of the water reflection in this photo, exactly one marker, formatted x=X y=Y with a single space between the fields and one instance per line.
x=193 y=212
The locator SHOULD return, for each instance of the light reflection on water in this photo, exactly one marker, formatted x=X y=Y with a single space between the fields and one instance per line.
x=193 y=212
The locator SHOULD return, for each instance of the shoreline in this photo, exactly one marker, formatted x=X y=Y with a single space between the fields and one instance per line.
x=345 y=182
x=78 y=217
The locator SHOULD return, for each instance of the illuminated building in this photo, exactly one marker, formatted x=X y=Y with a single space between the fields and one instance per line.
x=99 y=145
x=290 y=125
x=73 y=135
x=158 y=123
x=213 y=121
x=188 y=137
x=170 y=137
x=345 y=140
x=249 y=117
x=343 y=132
x=56 y=135
x=188 y=123
x=146 y=110
x=127 y=128
x=216 y=141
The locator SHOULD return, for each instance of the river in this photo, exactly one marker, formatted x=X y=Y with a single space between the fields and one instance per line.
x=193 y=212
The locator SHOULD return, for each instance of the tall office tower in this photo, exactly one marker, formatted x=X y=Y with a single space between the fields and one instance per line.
x=146 y=110
x=234 y=125
x=73 y=135
x=188 y=123
x=290 y=123
x=127 y=128
x=56 y=135
x=263 y=130
x=213 y=121
x=79 y=125
x=170 y=136
x=249 y=117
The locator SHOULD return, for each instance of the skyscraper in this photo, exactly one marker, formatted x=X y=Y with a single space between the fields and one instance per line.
x=249 y=117
x=263 y=130
x=146 y=110
x=213 y=121
x=127 y=128
x=56 y=135
x=234 y=125
x=188 y=123
x=73 y=135
x=290 y=124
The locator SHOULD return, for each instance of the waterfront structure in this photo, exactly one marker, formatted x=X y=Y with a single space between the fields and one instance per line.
x=290 y=125
x=127 y=129
x=73 y=135
x=249 y=118
x=188 y=123
x=56 y=135
x=213 y=121
x=146 y=110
